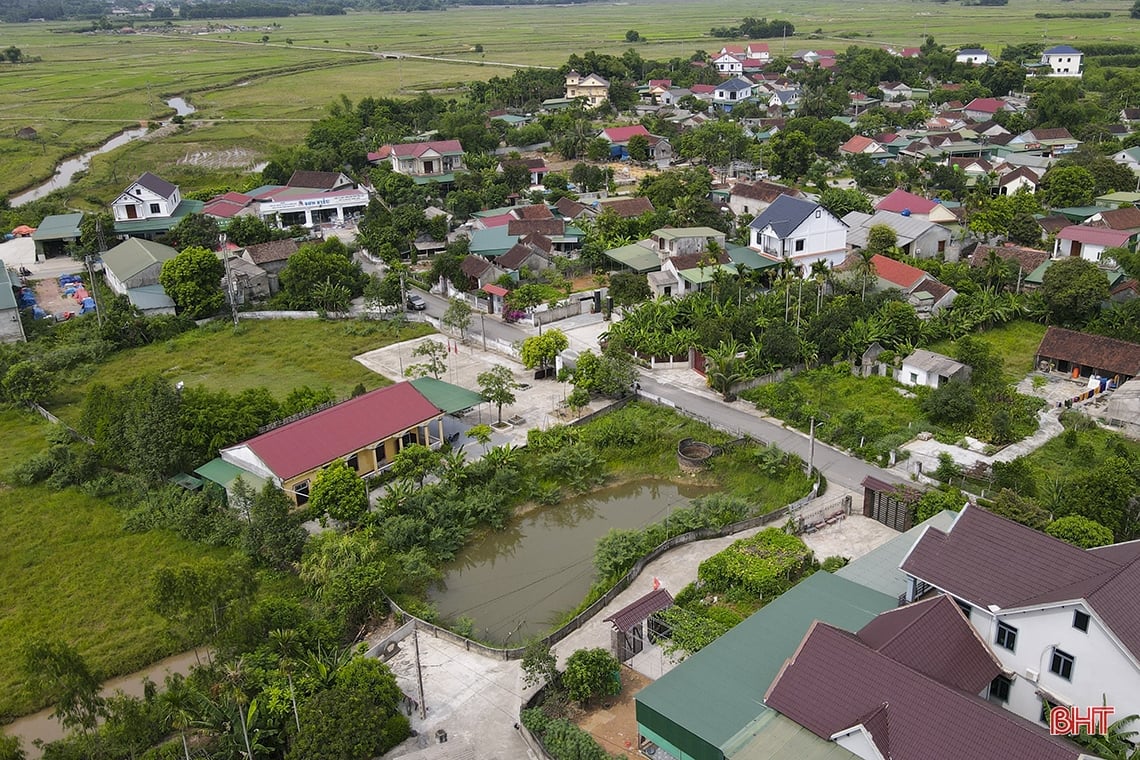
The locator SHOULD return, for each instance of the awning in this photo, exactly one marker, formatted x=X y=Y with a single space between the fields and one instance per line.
x=445 y=396
x=632 y=614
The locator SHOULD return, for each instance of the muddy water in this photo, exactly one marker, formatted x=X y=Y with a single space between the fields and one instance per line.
x=66 y=171
x=42 y=726
x=514 y=582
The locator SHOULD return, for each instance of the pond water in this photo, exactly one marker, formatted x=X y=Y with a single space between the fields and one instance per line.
x=67 y=169
x=43 y=726
x=513 y=583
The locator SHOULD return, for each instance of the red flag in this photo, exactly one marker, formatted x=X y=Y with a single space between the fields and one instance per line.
x=656 y=583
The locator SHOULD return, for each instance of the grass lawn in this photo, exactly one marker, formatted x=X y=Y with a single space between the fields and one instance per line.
x=1054 y=461
x=70 y=572
x=280 y=354
x=1015 y=342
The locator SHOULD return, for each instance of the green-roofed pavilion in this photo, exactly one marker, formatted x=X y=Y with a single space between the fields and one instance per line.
x=746 y=258
x=55 y=232
x=1078 y=214
x=635 y=257
x=1111 y=200
x=224 y=474
x=446 y=396
x=696 y=710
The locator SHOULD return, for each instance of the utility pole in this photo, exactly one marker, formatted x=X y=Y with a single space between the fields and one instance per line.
x=231 y=286
x=419 y=671
x=483 y=329
x=811 y=447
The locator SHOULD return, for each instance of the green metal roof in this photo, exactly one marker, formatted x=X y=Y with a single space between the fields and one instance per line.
x=749 y=259
x=161 y=224
x=224 y=474
x=446 y=396
x=442 y=179
x=699 y=276
x=147 y=297
x=58 y=227
x=1113 y=199
x=493 y=241
x=635 y=256
x=775 y=737
x=133 y=255
x=7 y=295
x=671 y=233
x=720 y=689
x=1078 y=213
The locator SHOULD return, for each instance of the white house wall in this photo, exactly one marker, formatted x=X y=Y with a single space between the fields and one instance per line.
x=142 y=199
x=1102 y=672
x=242 y=456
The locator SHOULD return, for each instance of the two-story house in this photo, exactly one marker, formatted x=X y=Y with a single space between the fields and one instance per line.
x=677 y=241
x=753 y=197
x=1063 y=621
x=729 y=64
x=593 y=89
x=732 y=91
x=1062 y=61
x=801 y=231
x=148 y=197
x=432 y=161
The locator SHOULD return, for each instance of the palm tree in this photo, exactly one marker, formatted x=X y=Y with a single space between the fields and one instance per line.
x=180 y=706
x=287 y=645
x=864 y=269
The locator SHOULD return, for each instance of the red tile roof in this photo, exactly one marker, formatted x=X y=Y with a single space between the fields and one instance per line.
x=1027 y=258
x=961 y=659
x=627 y=208
x=536 y=211
x=702 y=89
x=1095 y=235
x=986 y=105
x=835 y=682
x=547 y=227
x=640 y=609
x=762 y=191
x=896 y=272
x=622 y=134
x=274 y=250
x=495 y=290
x=857 y=144
x=337 y=432
x=414 y=150
x=1109 y=354
x=900 y=200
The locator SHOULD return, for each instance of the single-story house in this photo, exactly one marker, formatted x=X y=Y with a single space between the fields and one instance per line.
x=640 y=257
x=753 y=197
x=909 y=204
x=135 y=263
x=1090 y=243
x=1084 y=355
x=11 y=328
x=916 y=236
x=690 y=272
x=626 y=208
x=271 y=256
x=677 y=241
x=247 y=282
x=366 y=432
x=930 y=369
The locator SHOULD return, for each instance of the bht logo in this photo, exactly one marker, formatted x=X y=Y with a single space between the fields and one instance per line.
x=1068 y=721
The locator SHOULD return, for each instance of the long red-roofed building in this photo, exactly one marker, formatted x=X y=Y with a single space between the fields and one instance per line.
x=366 y=432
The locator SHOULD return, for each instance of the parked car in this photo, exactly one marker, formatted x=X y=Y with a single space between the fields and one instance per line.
x=416 y=302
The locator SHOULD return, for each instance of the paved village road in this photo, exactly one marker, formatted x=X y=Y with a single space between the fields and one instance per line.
x=839 y=468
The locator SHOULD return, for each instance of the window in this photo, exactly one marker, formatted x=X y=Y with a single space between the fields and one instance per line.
x=301 y=491
x=354 y=462
x=799 y=245
x=914 y=378
x=1081 y=621
x=381 y=453
x=999 y=689
x=155 y=208
x=1062 y=664
x=1006 y=636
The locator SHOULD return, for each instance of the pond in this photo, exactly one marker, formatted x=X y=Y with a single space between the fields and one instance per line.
x=514 y=583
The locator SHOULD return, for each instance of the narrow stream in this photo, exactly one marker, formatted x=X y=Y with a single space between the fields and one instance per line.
x=67 y=169
x=46 y=728
x=513 y=583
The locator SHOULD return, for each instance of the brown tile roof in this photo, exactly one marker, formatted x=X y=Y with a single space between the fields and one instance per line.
x=834 y=682
x=548 y=227
x=1096 y=351
x=1056 y=133
x=537 y=211
x=570 y=208
x=936 y=289
x=536 y=240
x=1027 y=258
x=473 y=266
x=1127 y=218
x=640 y=609
x=1054 y=223
x=985 y=559
x=274 y=250
x=763 y=191
x=961 y=659
x=694 y=260
x=627 y=208
x=517 y=254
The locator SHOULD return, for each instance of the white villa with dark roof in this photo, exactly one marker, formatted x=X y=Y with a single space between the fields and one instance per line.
x=801 y=231
x=732 y=91
x=1063 y=621
x=1062 y=61
x=148 y=197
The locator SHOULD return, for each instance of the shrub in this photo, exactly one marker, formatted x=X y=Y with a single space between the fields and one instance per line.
x=1080 y=531
x=767 y=564
x=591 y=673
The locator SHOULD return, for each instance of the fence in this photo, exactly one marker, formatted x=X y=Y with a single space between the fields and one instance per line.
x=57 y=421
x=545 y=317
x=755 y=382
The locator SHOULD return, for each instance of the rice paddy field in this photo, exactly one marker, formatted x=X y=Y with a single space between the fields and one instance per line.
x=253 y=94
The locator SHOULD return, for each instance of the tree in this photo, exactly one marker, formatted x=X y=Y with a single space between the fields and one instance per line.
x=541 y=350
x=497 y=386
x=331 y=297
x=10 y=748
x=415 y=461
x=458 y=316
x=272 y=533
x=539 y=665
x=386 y=291
x=1080 y=531
x=13 y=54
x=435 y=360
x=27 y=382
x=633 y=36
x=193 y=280
x=1074 y=290
x=717 y=143
x=339 y=493
x=1064 y=186
x=578 y=399
x=248 y=229
x=841 y=202
x=611 y=375
x=194 y=231
x=951 y=403
x=481 y=434
x=55 y=671
x=315 y=264
x=638 y=148
x=591 y=673
x=882 y=239
x=629 y=288
x=790 y=155
x=199 y=599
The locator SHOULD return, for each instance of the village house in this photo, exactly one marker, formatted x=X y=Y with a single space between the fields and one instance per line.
x=1129 y=157
x=731 y=92
x=801 y=231
x=689 y=272
x=930 y=369
x=272 y=256
x=11 y=328
x=1082 y=355
x=1062 y=61
x=983 y=109
x=752 y=198
x=132 y=269
x=594 y=90
x=679 y=241
x=859 y=145
x=432 y=161
x=914 y=236
x=479 y=271
x=974 y=57
x=1046 y=142
x=1090 y=243
x=1059 y=618
x=908 y=204
x=1021 y=178
x=149 y=207
x=619 y=137
x=365 y=432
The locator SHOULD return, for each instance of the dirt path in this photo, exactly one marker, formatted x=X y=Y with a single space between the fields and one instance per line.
x=613 y=721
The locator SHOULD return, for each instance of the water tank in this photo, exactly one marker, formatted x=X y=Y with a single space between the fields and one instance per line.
x=906 y=212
